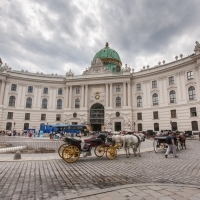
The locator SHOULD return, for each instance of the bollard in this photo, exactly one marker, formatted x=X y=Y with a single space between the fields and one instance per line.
x=17 y=155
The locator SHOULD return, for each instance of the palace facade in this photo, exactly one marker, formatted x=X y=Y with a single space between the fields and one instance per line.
x=107 y=96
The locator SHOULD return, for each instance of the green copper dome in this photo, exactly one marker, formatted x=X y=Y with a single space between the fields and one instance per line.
x=110 y=58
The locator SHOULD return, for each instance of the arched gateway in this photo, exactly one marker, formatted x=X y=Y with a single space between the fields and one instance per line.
x=97 y=116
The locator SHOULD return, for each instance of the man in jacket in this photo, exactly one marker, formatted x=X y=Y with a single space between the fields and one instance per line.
x=171 y=145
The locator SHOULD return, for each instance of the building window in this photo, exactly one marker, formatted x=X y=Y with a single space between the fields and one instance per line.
x=11 y=101
x=13 y=87
x=77 y=103
x=154 y=84
x=60 y=91
x=45 y=90
x=192 y=93
x=8 y=126
x=44 y=103
x=118 y=69
x=118 y=88
x=171 y=80
x=155 y=99
x=28 y=102
x=139 y=127
x=155 y=115
x=139 y=101
x=174 y=126
x=43 y=117
x=10 y=115
x=27 y=116
x=138 y=86
x=173 y=113
x=172 y=96
x=78 y=90
x=26 y=126
x=194 y=125
x=193 y=112
x=156 y=126
x=118 y=102
x=59 y=104
x=139 y=116
x=30 y=89
x=190 y=75
x=58 y=117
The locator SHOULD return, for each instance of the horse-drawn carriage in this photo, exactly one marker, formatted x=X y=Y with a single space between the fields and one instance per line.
x=161 y=143
x=70 y=152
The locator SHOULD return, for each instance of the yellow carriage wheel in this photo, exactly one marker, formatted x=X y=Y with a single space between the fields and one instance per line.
x=111 y=153
x=71 y=154
x=61 y=148
x=99 y=150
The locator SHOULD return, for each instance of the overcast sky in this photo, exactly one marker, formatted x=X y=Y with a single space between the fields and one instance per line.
x=53 y=36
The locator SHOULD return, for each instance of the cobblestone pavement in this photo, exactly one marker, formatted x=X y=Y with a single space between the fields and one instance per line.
x=56 y=178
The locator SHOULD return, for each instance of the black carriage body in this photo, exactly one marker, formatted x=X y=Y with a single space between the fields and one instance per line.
x=74 y=142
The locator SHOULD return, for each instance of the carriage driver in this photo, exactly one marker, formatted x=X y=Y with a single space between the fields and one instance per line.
x=171 y=145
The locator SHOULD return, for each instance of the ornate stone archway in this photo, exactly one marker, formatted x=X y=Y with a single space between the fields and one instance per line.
x=97 y=116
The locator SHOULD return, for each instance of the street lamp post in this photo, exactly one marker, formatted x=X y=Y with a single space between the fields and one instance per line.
x=13 y=128
x=171 y=124
x=134 y=126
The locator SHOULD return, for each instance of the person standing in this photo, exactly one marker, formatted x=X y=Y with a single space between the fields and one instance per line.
x=171 y=145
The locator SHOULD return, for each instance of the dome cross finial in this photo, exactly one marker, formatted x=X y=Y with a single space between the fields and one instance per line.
x=107 y=45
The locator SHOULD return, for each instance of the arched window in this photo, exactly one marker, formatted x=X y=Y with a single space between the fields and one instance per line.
x=12 y=101
x=30 y=89
x=139 y=127
x=77 y=103
x=194 y=125
x=155 y=99
x=118 y=102
x=26 y=126
x=44 y=103
x=139 y=101
x=192 y=93
x=118 y=68
x=156 y=126
x=28 y=102
x=172 y=96
x=8 y=126
x=59 y=104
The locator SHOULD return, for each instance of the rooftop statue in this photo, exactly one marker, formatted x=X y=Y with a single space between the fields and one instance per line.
x=69 y=73
x=197 y=48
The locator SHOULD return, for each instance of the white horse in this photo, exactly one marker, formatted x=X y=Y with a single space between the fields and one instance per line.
x=128 y=141
x=133 y=141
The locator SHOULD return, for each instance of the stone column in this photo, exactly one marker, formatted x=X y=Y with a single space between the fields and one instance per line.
x=20 y=89
x=160 y=86
x=35 y=93
x=86 y=95
x=111 y=94
x=67 y=97
x=54 y=100
x=70 y=96
x=184 y=96
x=129 y=94
x=124 y=92
x=82 y=96
x=179 y=92
x=106 y=94
x=39 y=100
x=23 y=100
x=2 y=91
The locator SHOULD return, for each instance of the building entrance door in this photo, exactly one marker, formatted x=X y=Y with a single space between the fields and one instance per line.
x=97 y=116
x=118 y=126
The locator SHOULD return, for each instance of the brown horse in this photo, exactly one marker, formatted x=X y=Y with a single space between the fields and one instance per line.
x=182 y=140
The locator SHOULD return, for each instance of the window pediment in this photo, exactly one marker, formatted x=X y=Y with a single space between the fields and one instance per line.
x=172 y=88
x=191 y=83
x=154 y=91
x=139 y=93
